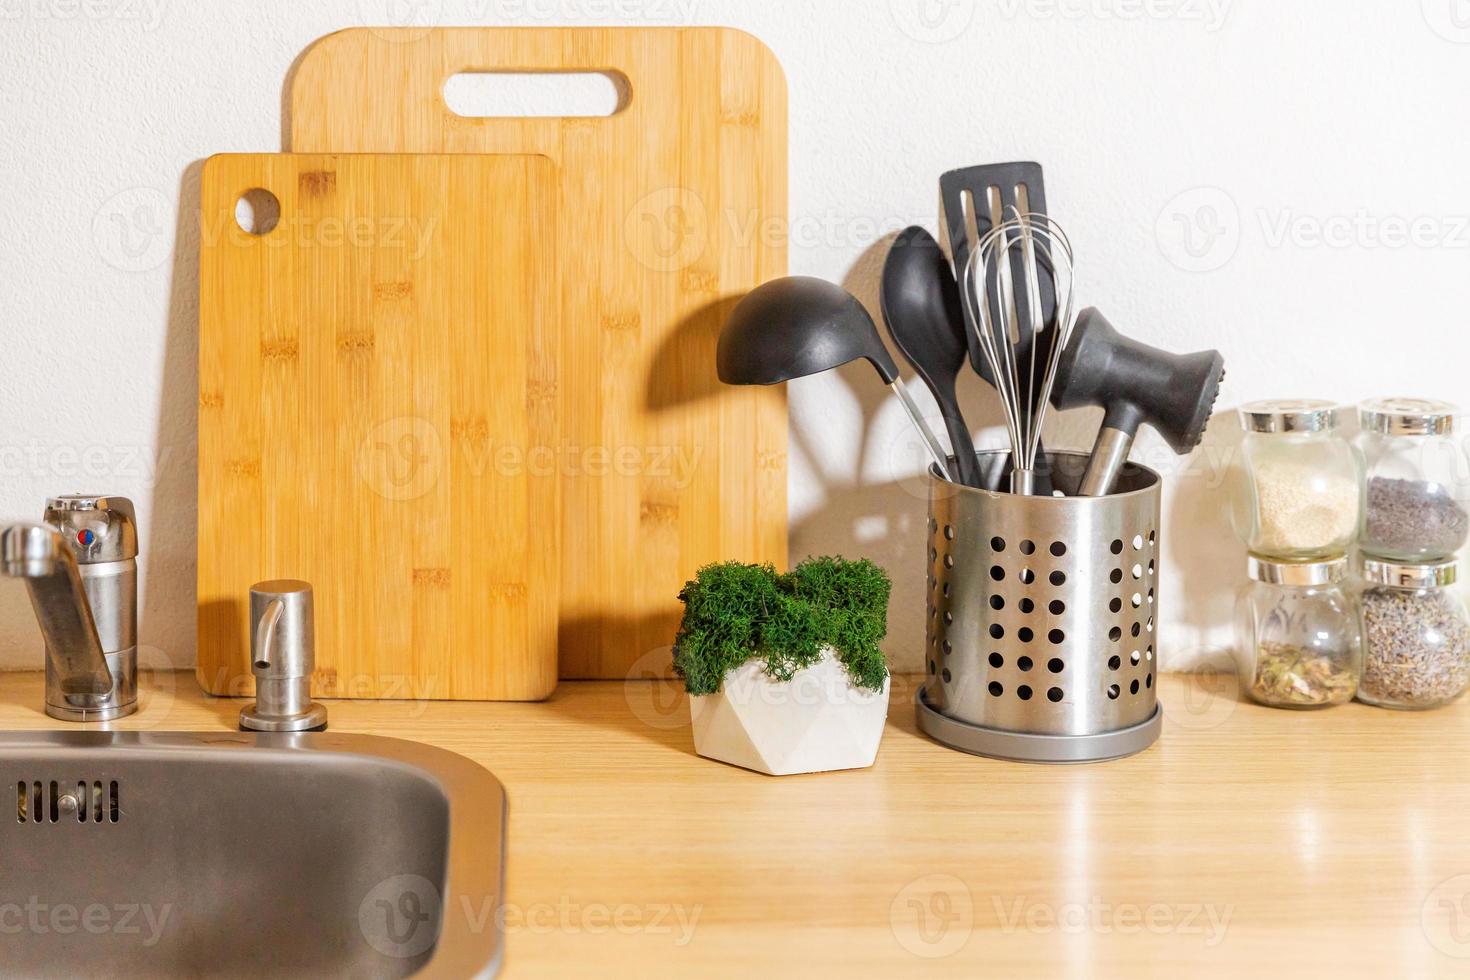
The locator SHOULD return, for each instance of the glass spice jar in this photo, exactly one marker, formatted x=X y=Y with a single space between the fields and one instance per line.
x=1301 y=641
x=1417 y=635
x=1299 y=483
x=1418 y=487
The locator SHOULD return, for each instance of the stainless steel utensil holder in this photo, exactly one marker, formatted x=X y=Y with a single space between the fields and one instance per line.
x=1042 y=616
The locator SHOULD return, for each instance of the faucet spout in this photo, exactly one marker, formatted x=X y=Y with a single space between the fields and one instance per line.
x=36 y=553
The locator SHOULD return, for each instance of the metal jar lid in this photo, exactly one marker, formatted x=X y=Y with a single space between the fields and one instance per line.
x=1431 y=575
x=1290 y=415
x=1408 y=417
x=1300 y=573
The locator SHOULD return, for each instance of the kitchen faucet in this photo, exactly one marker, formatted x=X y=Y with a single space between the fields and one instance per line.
x=80 y=568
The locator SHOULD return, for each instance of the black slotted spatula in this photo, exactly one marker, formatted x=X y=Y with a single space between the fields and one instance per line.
x=975 y=199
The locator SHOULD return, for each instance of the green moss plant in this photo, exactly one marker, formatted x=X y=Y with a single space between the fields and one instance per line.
x=735 y=612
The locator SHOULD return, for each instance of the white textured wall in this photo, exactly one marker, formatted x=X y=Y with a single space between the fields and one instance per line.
x=1283 y=180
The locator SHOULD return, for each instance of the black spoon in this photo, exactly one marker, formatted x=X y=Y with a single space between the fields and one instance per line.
x=921 y=304
x=799 y=326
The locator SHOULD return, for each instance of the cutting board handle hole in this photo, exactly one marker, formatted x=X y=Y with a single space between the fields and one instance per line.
x=258 y=211
x=536 y=94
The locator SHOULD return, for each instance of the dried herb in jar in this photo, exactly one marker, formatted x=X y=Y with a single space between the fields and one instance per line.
x=1299 y=676
x=1418 y=647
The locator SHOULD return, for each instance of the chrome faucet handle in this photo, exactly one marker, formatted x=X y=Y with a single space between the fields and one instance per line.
x=97 y=529
x=282 y=658
x=81 y=570
x=37 y=553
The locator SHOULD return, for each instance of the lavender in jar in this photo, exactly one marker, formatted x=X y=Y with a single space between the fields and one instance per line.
x=1413 y=517
x=1416 y=636
x=1418 y=499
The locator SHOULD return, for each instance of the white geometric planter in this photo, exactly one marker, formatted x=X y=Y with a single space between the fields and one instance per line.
x=815 y=722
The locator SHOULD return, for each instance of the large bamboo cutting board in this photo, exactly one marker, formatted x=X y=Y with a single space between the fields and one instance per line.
x=672 y=208
x=375 y=376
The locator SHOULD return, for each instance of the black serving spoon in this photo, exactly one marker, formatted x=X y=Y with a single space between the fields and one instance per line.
x=921 y=305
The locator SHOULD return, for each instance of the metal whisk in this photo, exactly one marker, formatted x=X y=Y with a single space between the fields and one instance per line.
x=1021 y=245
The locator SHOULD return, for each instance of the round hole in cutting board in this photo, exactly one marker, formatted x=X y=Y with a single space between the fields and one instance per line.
x=538 y=94
x=258 y=211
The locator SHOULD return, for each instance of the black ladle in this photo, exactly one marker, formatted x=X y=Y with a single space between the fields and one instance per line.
x=921 y=304
x=799 y=326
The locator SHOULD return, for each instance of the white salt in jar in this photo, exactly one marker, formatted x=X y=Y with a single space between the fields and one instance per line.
x=1299 y=484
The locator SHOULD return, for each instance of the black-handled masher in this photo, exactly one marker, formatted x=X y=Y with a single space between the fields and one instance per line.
x=1136 y=385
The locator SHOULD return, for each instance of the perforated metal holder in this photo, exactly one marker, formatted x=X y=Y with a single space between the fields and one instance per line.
x=1042 y=617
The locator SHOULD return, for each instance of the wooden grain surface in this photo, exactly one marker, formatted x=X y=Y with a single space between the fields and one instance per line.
x=1247 y=842
x=374 y=373
x=672 y=209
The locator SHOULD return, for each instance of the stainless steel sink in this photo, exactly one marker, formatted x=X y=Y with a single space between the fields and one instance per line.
x=228 y=855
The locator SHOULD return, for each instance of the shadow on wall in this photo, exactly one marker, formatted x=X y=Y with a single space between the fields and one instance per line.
x=168 y=613
x=884 y=520
x=1198 y=518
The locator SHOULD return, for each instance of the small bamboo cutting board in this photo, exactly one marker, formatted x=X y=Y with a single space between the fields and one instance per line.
x=377 y=374
x=672 y=208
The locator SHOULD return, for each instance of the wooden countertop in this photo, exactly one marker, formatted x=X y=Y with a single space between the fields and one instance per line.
x=1247 y=840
